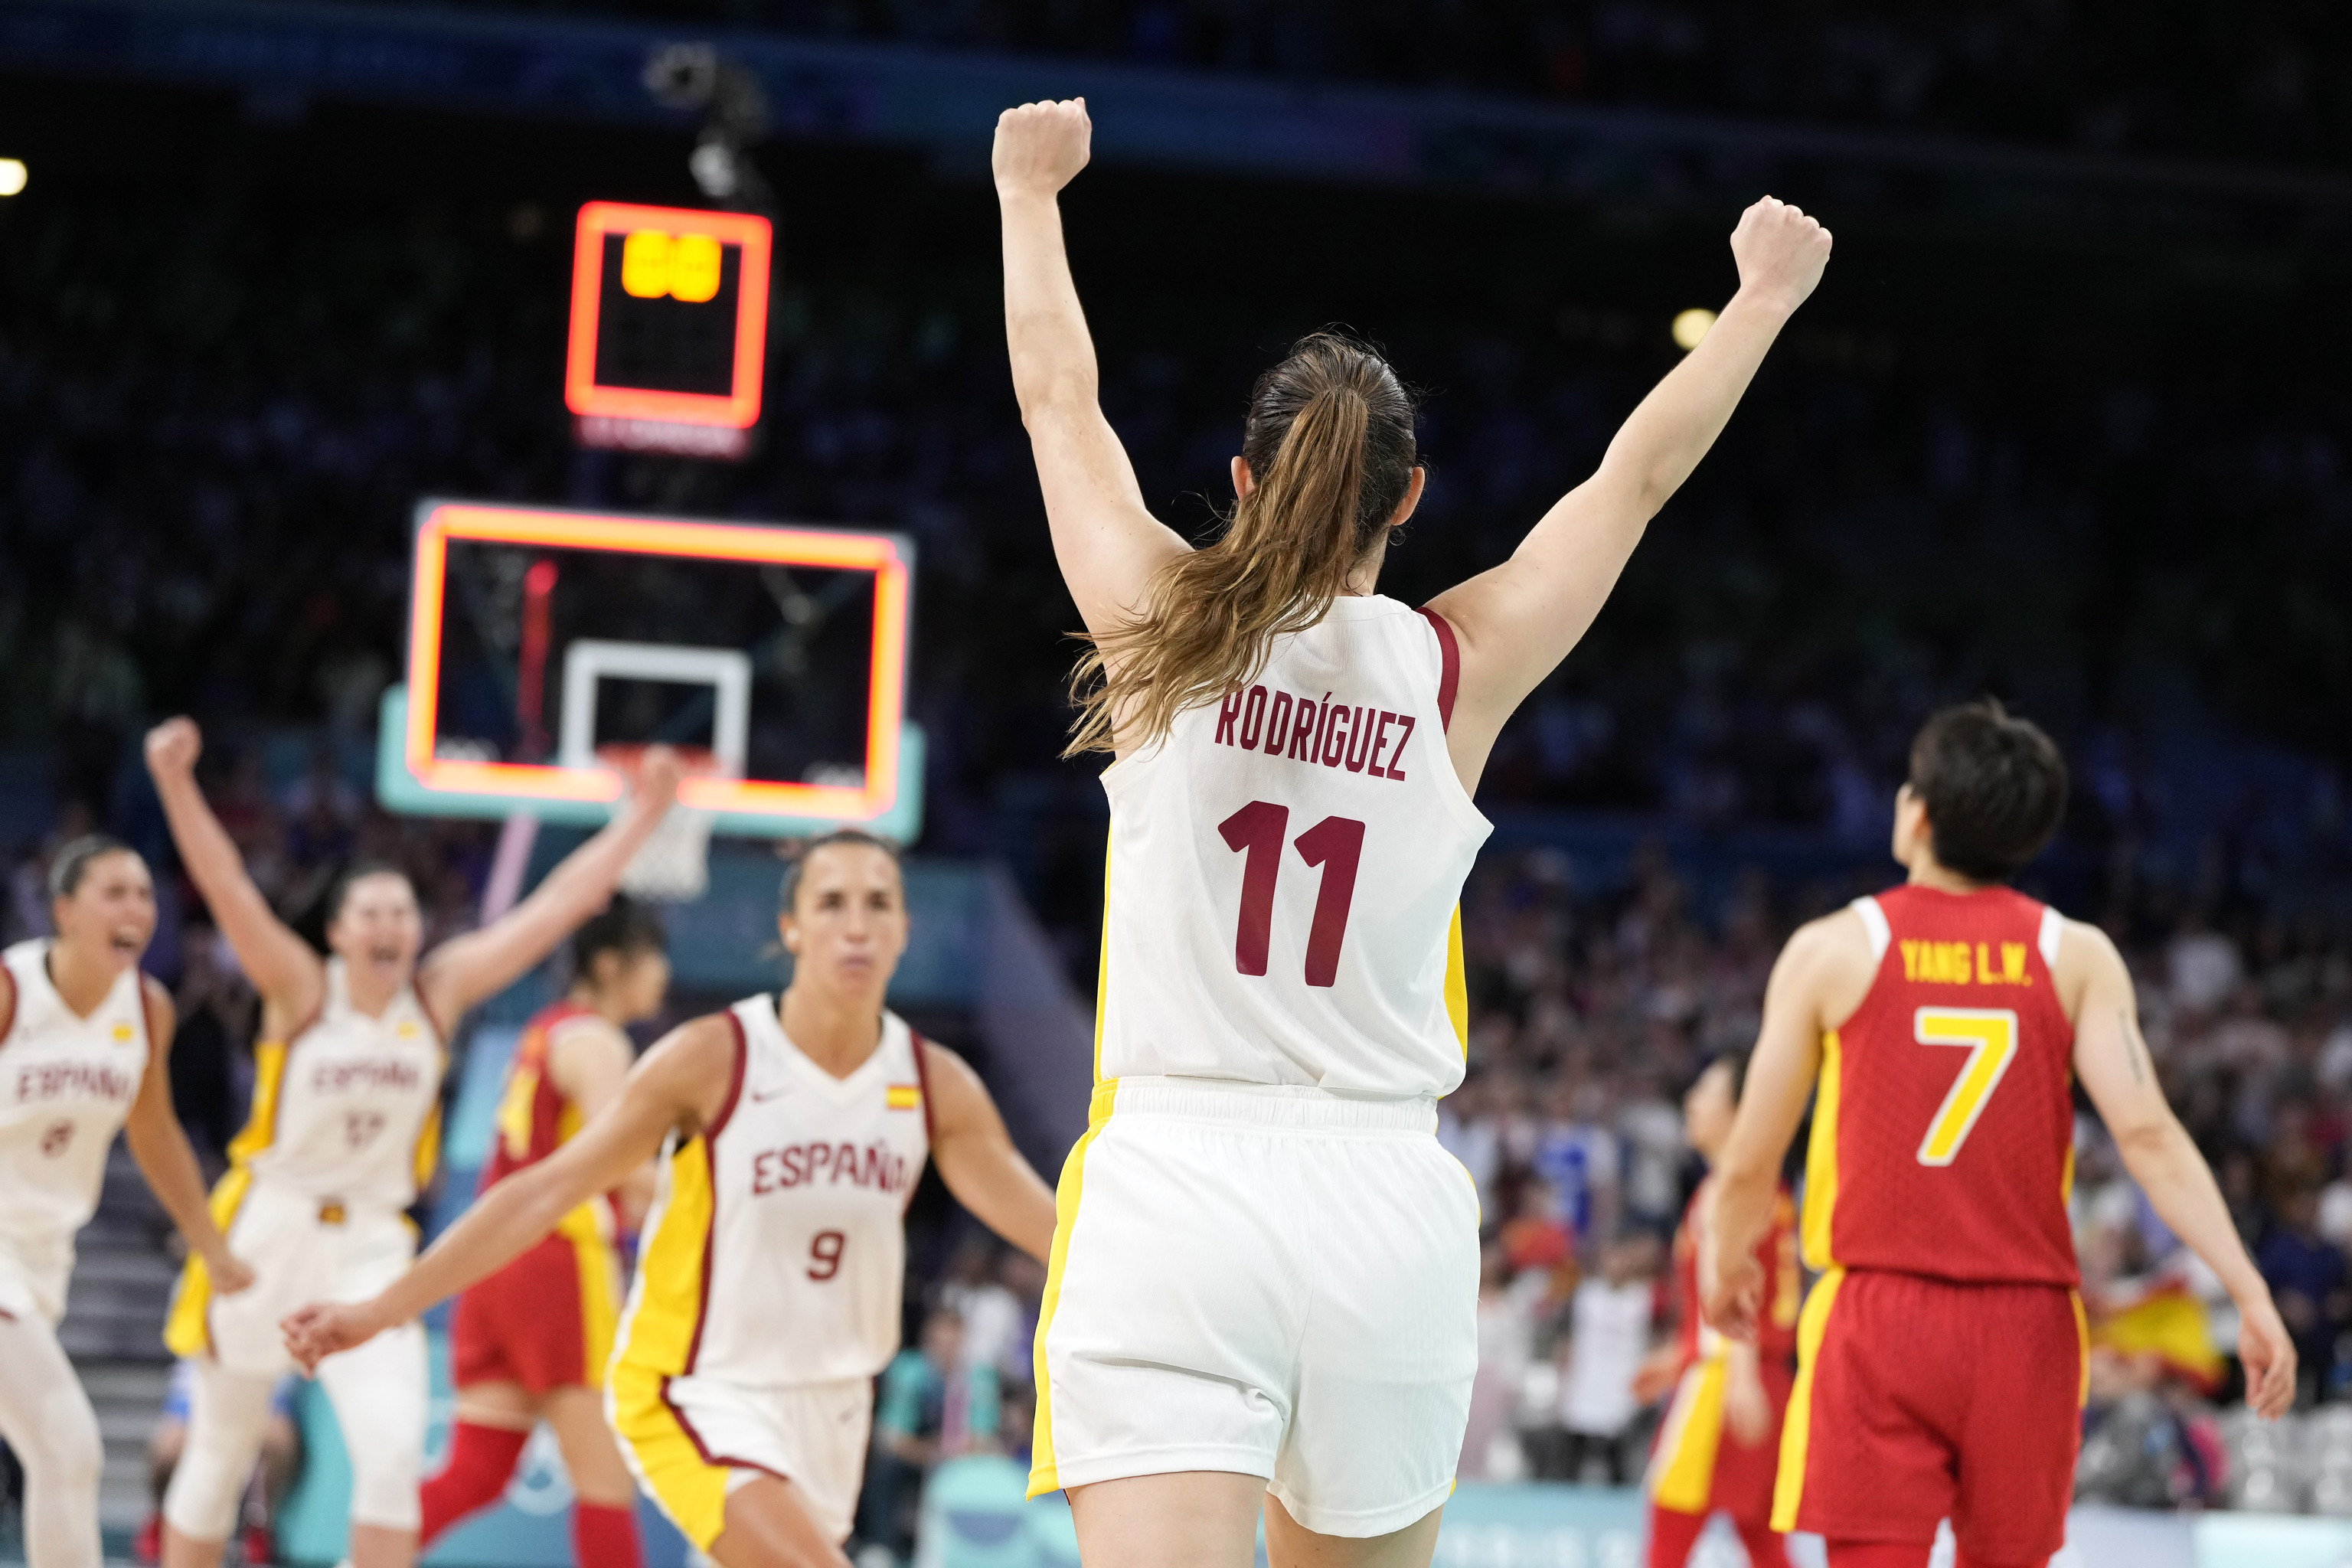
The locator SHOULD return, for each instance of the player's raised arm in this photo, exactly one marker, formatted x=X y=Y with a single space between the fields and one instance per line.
x=2113 y=1064
x=977 y=1159
x=464 y=970
x=1108 y=544
x=680 y=1082
x=1818 y=979
x=283 y=968
x=1517 y=621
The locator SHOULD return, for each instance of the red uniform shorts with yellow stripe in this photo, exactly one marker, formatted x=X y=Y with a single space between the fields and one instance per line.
x=1919 y=1399
x=1699 y=1466
x=544 y=1321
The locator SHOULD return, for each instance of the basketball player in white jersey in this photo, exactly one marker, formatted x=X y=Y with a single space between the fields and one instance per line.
x=85 y=1043
x=345 y=1128
x=791 y=1132
x=1264 y=1287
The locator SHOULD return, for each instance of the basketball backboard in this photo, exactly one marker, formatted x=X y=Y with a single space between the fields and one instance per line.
x=546 y=645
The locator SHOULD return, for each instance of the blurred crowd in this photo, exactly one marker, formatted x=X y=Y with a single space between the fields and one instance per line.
x=2255 y=78
x=1595 y=1009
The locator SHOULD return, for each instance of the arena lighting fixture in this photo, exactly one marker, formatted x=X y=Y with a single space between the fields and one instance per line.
x=12 y=175
x=1691 y=325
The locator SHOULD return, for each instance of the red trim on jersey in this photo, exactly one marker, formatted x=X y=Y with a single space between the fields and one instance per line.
x=703 y=1449
x=7 y=1003
x=711 y=1168
x=923 y=1083
x=1449 y=665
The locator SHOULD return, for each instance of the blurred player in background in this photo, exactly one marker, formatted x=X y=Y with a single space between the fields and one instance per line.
x=273 y=1478
x=85 y=1048
x=529 y=1343
x=771 y=1279
x=1264 y=1291
x=1720 y=1445
x=1942 y=1354
x=344 y=1131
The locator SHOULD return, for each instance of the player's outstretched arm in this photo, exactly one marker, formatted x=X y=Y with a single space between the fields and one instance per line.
x=1817 y=982
x=679 y=1083
x=481 y=964
x=2112 y=1061
x=1108 y=544
x=977 y=1159
x=160 y=1145
x=281 y=965
x=1518 y=620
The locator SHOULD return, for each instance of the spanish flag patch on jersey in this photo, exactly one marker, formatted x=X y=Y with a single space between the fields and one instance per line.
x=904 y=1097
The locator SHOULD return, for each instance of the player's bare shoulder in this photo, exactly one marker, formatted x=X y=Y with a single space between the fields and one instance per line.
x=1828 y=964
x=2087 y=960
x=692 y=1068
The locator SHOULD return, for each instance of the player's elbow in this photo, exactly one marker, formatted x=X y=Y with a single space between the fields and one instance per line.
x=2149 y=1144
x=1051 y=396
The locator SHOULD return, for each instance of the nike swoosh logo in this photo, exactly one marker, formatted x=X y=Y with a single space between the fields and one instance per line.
x=758 y=1098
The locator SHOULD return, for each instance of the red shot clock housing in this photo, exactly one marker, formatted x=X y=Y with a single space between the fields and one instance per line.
x=669 y=326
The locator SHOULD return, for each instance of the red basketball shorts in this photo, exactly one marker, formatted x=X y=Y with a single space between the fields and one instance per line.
x=545 y=1321
x=1921 y=1399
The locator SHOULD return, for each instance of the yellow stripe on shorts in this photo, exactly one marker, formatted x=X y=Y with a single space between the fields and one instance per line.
x=690 y=1490
x=1796 y=1437
x=659 y=1341
x=186 y=1331
x=1044 y=1471
x=1682 y=1472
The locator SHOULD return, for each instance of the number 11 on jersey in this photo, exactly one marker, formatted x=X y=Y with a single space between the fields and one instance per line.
x=1336 y=844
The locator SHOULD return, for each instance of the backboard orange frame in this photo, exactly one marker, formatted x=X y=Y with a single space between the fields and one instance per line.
x=440 y=523
x=582 y=395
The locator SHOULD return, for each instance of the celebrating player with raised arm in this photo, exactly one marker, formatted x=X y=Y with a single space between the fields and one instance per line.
x=345 y=1129
x=1942 y=1354
x=85 y=1044
x=1264 y=1288
x=791 y=1132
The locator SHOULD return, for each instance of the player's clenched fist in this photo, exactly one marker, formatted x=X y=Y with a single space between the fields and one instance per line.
x=1040 y=147
x=174 y=746
x=1781 y=252
x=321 y=1329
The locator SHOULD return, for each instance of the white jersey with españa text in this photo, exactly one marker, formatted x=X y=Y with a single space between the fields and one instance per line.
x=775 y=1255
x=66 y=1083
x=1285 y=870
x=348 y=1110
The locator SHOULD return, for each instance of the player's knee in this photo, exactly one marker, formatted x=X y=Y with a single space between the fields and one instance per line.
x=385 y=1474
x=64 y=1454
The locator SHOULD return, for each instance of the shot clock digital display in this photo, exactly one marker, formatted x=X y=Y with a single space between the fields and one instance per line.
x=669 y=327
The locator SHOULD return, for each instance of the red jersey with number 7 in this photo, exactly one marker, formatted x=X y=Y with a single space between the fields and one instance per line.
x=1285 y=869
x=1943 y=1130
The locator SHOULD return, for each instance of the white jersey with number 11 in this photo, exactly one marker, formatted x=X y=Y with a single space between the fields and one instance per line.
x=1286 y=871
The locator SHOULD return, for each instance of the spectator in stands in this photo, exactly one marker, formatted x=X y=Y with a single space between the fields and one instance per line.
x=1609 y=1320
x=934 y=1404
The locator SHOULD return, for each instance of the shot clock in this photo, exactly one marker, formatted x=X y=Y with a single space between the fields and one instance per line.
x=669 y=327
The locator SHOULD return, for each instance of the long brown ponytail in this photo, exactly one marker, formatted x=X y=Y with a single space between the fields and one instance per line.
x=1329 y=442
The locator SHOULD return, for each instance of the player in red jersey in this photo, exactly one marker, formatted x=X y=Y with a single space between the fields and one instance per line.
x=529 y=1343
x=1720 y=1444
x=1942 y=1360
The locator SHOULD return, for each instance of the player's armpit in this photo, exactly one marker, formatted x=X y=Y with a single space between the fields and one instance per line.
x=978 y=1161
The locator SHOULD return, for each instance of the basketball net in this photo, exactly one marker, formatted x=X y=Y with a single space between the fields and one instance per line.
x=673 y=866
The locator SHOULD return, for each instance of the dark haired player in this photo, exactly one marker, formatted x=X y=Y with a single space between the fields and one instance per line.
x=85 y=1043
x=1942 y=1357
x=529 y=1343
x=791 y=1132
x=1720 y=1445
x=344 y=1129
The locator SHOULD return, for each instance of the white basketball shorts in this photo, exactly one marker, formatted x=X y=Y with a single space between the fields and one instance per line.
x=691 y=1441
x=1276 y=1281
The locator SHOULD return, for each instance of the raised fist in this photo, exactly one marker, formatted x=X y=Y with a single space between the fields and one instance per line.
x=1040 y=147
x=174 y=746
x=1781 y=252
